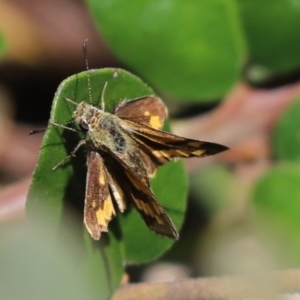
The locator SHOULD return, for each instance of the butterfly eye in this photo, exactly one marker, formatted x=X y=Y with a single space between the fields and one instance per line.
x=84 y=125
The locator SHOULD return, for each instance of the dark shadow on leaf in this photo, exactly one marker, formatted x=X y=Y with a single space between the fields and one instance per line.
x=74 y=192
x=115 y=227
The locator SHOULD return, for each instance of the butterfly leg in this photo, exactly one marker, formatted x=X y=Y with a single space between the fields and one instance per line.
x=82 y=142
x=63 y=126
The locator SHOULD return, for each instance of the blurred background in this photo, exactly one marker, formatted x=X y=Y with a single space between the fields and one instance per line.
x=229 y=73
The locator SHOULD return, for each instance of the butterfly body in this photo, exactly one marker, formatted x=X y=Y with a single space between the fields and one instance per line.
x=103 y=129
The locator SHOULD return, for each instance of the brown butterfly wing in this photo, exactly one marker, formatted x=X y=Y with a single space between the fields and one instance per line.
x=148 y=110
x=98 y=209
x=162 y=146
x=139 y=194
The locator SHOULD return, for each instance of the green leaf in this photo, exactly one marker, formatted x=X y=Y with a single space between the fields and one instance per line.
x=286 y=136
x=54 y=196
x=277 y=212
x=191 y=49
x=272 y=34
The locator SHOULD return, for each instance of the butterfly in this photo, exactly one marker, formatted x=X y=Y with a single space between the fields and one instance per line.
x=124 y=149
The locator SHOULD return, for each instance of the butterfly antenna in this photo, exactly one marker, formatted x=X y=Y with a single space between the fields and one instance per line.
x=84 y=47
x=71 y=101
x=34 y=131
x=102 y=96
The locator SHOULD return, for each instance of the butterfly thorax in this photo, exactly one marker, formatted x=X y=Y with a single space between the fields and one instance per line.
x=86 y=114
x=104 y=130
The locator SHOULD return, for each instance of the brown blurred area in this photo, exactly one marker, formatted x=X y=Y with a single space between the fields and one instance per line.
x=44 y=41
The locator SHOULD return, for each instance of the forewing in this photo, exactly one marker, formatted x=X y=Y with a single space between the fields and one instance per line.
x=148 y=110
x=98 y=209
x=150 y=210
x=162 y=146
x=141 y=197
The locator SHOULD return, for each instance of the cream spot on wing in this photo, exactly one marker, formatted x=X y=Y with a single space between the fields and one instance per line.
x=119 y=199
x=147 y=209
x=102 y=179
x=144 y=207
x=94 y=204
x=104 y=215
x=180 y=153
x=155 y=122
x=138 y=204
x=156 y=153
x=159 y=220
x=157 y=210
x=198 y=152
x=147 y=113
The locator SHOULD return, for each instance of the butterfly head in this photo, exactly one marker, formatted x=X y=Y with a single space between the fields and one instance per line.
x=85 y=114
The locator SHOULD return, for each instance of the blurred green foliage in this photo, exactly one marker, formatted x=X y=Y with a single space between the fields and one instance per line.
x=196 y=50
x=286 y=136
x=214 y=187
x=271 y=30
x=188 y=49
x=2 y=44
x=269 y=217
x=276 y=203
x=276 y=196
